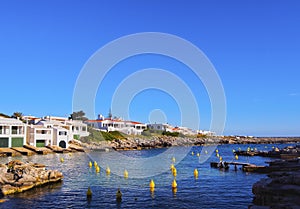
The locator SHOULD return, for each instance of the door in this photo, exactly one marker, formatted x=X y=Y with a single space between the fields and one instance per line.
x=62 y=144
x=17 y=142
x=4 y=142
x=40 y=143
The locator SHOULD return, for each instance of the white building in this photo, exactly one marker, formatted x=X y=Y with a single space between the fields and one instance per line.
x=39 y=136
x=160 y=127
x=61 y=134
x=206 y=133
x=169 y=128
x=12 y=132
x=76 y=128
x=64 y=129
x=126 y=127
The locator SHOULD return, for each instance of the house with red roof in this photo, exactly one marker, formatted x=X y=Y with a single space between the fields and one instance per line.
x=117 y=124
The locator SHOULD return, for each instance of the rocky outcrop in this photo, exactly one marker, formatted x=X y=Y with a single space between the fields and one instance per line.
x=17 y=176
x=289 y=152
x=155 y=142
x=143 y=142
x=281 y=189
x=168 y=141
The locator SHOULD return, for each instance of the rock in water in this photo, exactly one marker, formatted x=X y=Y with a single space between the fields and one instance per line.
x=17 y=176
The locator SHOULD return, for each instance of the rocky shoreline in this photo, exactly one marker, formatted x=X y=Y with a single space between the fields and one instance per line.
x=139 y=143
x=17 y=176
x=282 y=187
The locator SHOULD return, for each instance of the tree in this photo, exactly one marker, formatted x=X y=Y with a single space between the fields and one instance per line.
x=80 y=115
x=17 y=115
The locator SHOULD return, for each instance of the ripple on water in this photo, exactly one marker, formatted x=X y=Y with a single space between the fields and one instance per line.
x=212 y=189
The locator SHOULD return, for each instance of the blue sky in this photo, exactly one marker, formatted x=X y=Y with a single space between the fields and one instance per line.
x=254 y=46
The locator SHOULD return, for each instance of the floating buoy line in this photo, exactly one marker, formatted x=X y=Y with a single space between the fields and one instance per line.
x=152 y=186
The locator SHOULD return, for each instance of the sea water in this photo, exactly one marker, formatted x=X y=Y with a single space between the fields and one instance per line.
x=213 y=188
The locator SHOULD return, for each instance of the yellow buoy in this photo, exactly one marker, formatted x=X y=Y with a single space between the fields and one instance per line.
x=192 y=153
x=125 y=174
x=233 y=150
x=173 y=159
x=119 y=195
x=107 y=170
x=174 y=172
x=172 y=167
x=70 y=154
x=95 y=164
x=218 y=155
x=174 y=184
x=89 y=192
x=236 y=157
x=206 y=152
x=196 y=173
x=152 y=184
x=97 y=169
x=217 y=150
x=62 y=159
x=221 y=159
x=90 y=164
x=198 y=154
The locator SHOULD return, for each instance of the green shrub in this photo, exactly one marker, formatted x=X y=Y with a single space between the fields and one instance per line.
x=146 y=133
x=168 y=133
x=96 y=136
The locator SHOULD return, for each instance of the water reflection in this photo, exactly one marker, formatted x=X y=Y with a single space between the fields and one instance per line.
x=152 y=194
x=40 y=191
x=174 y=191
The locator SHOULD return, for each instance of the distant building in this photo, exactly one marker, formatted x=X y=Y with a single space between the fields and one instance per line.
x=117 y=124
x=206 y=133
x=30 y=119
x=184 y=130
x=12 y=132
x=169 y=128
x=160 y=127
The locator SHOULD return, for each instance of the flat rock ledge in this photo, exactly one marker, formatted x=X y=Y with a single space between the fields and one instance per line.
x=17 y=176
x=281 y=189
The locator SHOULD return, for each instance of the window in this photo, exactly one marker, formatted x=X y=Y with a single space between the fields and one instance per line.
x=62 y=133
x=14 y=129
